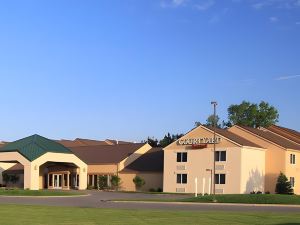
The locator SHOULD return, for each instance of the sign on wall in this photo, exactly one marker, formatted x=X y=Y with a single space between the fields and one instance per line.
x=198 y=141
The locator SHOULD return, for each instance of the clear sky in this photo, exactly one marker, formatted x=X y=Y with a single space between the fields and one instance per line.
x=128 y=69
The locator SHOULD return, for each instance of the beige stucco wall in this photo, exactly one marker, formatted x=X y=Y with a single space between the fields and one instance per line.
x=198 y=161
x=293 y=170
x=103 y=169
x=152 y=180
x=252 y=170
x=275 y=157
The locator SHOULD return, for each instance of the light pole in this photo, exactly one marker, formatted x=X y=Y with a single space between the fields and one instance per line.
x=214 y=103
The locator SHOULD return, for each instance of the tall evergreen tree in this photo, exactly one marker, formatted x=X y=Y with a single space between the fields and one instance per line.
x=283 y=186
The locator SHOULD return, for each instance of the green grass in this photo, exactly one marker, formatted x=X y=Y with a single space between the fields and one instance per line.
x=46 y=215
x=249 y=198
x=21 y=192
x=237 y=198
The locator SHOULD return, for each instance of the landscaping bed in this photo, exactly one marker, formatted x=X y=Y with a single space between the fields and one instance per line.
x=21 y=192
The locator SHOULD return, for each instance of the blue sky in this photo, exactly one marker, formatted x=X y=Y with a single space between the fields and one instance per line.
x=128 y=69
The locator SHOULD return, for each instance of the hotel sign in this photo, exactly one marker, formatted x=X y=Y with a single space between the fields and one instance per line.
x=199 y=141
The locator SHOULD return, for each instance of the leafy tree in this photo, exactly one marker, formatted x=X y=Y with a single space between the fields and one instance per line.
x=210 y=121
x=283 y=186
x=153 y=142
x=168 y=139
x=252 y=115
x=138 y=181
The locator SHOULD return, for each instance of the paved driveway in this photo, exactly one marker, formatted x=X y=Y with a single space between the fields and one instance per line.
x=103 y=200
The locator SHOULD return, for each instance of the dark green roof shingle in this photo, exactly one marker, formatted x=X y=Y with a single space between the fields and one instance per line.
x=34 y=146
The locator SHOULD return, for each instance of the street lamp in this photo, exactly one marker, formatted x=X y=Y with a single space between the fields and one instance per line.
x=214 y=103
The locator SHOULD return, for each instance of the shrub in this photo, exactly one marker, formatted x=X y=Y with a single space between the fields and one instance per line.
x=258 y=192
x=152 y=190
x=115 y=182
x=159 y=190
x=102 y=182
x=283 y=186
x=267 y=192
x=139 y=182
x=252 y=192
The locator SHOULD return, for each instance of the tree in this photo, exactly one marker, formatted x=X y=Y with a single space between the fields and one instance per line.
x=168 y=139
x=283 y=186
x=210 y=121
x=153 y=142
x=252 y=115
x=138 y=181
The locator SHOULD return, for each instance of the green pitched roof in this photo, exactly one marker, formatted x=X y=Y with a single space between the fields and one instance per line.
x=34 y=146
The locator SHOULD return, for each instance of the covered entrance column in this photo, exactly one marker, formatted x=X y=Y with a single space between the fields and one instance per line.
x=31 y=176
x=82 y=178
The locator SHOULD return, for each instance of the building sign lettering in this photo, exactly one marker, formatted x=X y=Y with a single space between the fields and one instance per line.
x=198 y=141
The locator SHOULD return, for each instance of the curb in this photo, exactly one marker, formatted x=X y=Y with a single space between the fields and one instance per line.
x=24 y=196
x=212 y=204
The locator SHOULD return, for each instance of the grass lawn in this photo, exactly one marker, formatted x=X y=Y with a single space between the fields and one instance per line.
x=46 y=215
x=249 y=198
x=236 y=198
x=21 y=192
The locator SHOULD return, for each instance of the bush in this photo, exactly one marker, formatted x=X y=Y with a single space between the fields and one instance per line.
x=258 y=192
x=115 y=182
x=152 y=190
x=252 y=192
x=90 y=187
x=267 y=192
x=102 y=182
x=283 y=186
x=139 y=182
x=159 y=190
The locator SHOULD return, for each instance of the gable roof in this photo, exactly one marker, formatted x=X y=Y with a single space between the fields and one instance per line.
x=34 y=146
x=151 y=161
x=105 y=154
x=285 y=132
x=234 y=137
x=276 y=139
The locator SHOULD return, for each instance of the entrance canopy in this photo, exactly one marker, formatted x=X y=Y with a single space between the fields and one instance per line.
x=34 y=151
x=34 y=146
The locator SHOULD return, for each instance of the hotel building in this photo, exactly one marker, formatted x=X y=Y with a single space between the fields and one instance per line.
x=246 y=160
x=40 y=163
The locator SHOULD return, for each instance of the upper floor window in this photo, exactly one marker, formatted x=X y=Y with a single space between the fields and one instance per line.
x=220 y=156
x=182 y=178
x=292 y=159
x=181 y=156
x=220 y=178
x=292 y=181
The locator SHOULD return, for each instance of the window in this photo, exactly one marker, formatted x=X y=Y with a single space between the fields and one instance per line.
x=181 y=156
x=65 y=180
x=50 y=180
x=220 y=156
x=292 y=181
x=181 y=178
x=292 y=159
x=220 y=178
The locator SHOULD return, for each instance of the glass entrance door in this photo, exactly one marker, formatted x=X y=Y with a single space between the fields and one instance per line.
x=57 y=181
